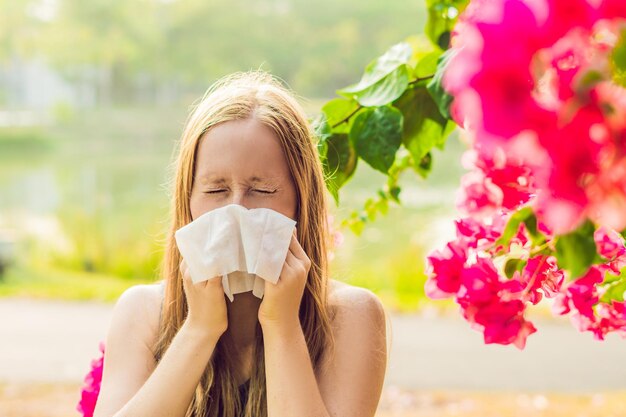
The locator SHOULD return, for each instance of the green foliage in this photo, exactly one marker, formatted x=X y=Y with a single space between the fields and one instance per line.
x=22 y=141
x=614 y=287
x=435 y=86
x=618 y=60
x=442 y=15
x=513 y=265
x=384 y=80
x=139 y=47
x=526 y=216
x=376 y=135
x=423 y=126
x=576 y=251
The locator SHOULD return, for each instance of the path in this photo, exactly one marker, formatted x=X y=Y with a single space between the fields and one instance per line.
x=54 y=341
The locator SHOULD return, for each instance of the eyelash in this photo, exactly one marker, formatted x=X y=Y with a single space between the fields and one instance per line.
x=259 y=191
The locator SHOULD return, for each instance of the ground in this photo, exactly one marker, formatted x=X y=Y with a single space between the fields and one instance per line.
x=438 y=367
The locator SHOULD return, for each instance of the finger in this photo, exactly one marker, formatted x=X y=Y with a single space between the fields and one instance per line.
x=296 y=248
x=291 y=260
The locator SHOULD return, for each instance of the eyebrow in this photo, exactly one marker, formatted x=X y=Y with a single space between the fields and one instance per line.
x=220 y=180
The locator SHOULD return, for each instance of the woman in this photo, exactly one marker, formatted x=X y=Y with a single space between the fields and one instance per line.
x=310 y=347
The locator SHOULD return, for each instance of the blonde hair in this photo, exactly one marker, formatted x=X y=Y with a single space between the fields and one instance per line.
x=242 y=95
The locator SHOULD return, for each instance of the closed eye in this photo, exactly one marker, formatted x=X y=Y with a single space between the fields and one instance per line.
x=258 y=191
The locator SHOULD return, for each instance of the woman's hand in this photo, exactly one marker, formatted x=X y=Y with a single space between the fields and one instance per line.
x=281 y=301
x=206 y=304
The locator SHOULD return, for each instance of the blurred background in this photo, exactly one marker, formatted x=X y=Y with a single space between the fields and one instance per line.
x=93 y=97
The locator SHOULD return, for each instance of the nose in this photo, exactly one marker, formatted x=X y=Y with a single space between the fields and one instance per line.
x=238 y=196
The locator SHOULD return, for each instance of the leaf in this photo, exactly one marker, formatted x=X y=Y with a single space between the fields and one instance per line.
x=424 y=166
x=576 y=251
x=435 y=86
x=423 y=126
x=442 y=15
x=615 y=288
x=384 y=80
x=340 y=164
x=384 y=91
x=394 y=192
x=425 y=54
x=427 y=66
x=376 y=135
x=337 y=110
x=322 y=132
x=512 y=265
x=512 y=226
x=618 y=60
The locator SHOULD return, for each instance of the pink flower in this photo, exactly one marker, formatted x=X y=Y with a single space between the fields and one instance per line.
x=504 y=323
x=581 y=296
x=444 y=271
x=478 y=194
x=611 y=245
x=91 y=387
x=491 y=305
x=541 y=277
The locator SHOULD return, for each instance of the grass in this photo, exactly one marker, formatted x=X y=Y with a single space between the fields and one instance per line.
x=63 y=284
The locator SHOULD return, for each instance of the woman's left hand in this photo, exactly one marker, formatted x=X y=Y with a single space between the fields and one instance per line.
x=281 y=301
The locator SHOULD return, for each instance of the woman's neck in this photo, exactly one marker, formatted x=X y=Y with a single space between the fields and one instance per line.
x=243 y=313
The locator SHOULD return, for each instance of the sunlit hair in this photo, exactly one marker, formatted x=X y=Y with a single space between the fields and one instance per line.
x=244 y=95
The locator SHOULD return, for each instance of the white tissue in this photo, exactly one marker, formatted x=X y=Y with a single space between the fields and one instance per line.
x=243 y=246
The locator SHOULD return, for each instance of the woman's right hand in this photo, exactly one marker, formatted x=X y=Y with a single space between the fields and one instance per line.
x=206 y=303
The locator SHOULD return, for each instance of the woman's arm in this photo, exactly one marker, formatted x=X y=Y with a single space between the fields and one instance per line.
x=349 y=382
x=129 y=388
x=291 y=386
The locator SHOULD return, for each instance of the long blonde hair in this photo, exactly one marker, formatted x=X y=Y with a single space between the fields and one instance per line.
x=252 y=94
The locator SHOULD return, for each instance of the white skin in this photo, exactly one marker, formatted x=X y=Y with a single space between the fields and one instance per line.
x=348 y=384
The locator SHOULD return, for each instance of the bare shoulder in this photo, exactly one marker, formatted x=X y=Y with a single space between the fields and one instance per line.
x=128 y=356
x=141 y=306
x=351 y=378
x=349 y=302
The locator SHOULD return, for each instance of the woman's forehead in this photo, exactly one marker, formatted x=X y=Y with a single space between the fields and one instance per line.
x=210 y=177
x=244 y=151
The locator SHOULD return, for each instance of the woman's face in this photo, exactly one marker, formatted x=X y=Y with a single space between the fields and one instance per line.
x=242 y=162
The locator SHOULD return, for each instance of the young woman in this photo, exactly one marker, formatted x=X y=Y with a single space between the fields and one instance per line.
x=310 y=347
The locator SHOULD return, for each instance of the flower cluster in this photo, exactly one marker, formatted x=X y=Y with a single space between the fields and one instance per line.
x=538 y=86
x=538 y=81
x=91 y=387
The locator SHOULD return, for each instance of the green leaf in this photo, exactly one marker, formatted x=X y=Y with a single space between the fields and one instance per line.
x=394 y=192
x=322 y=132
x=423 y=127
x=576 y=251
x=424 y=52
x=615 y=288
x=512 y=226
x=336 y=111
x=376 y=135
x=427 y=65
x=618 y=60
x=340 y=164
x=512 y=265
x=435 y=86
x=424 y=165
x=442 y=15
x=383 y=91
x=384 y=80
